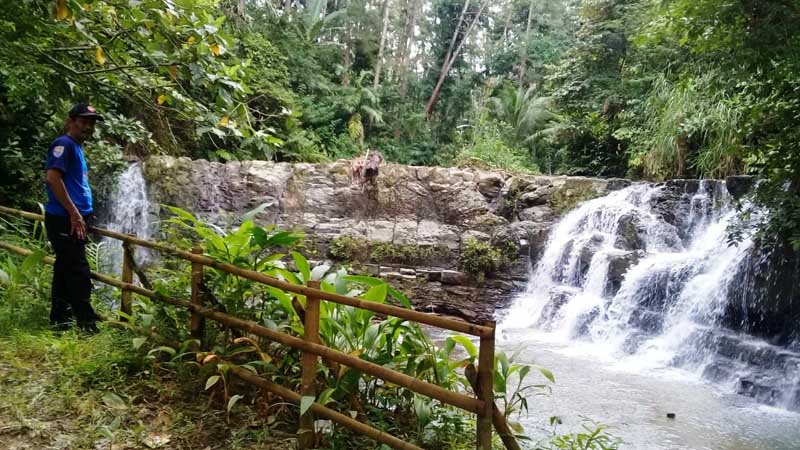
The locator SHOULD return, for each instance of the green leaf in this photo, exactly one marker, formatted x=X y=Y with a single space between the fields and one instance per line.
x=114 y=401
x=302 y=265
x=138 y=342
x=376 y=294
x=31 y=260
x=233 y=401
x=468 y=345
x=547 y=374
x=251 y=215
x=212 y=380
x=163 y=348
x=305 y=403
x=325 y=396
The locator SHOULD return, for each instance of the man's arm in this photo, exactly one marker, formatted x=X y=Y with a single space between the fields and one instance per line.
x=56 y=181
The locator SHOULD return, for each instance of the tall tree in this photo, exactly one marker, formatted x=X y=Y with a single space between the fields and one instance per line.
x=453 y=54
x=379 y=62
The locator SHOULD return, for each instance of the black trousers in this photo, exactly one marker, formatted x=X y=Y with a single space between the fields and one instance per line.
x=72 y=287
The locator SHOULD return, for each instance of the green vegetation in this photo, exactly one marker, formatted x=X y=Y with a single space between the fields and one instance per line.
x=481 y=258
x=347 y=248
x=639 y=88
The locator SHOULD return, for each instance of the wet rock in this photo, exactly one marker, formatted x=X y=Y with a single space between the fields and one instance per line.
x=618 y=266
x=587 y=253
x=649 y=322
x=585 y=321
x=718 y=371
x=615 y=184
x=684 y=186
x=558 y=298
x=455 y=277
x=628 y=233
x=739 y=185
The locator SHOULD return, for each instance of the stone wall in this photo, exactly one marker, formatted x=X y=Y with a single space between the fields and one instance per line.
x=427 y=208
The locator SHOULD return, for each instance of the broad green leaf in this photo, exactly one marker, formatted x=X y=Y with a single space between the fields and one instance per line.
x=547 y=374
x=163 y=348
x=138 y=342
x=325 y=396
x=31 y=261
x=251 y=215
x=305 y=403
x=212 y=380
x=468 y=345
x=376 y=294
x=114 y=401
x=232 y=401
x=302 y=265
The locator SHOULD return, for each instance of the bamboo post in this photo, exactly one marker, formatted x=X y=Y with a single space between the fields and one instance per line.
x=486 y=394
x=196 y=326
x=308 y=386
x=127 y=277
x=499 y=420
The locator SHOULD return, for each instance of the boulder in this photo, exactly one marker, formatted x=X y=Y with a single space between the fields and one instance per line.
x=739 y=185
x=490 y=184
x=628 y=233
x=618 y=265
x=454 y=277
x=542 y=213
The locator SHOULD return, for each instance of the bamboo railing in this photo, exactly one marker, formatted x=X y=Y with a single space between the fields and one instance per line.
x=310 y=346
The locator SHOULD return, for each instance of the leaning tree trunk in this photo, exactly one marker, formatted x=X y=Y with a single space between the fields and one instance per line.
x=448 y=63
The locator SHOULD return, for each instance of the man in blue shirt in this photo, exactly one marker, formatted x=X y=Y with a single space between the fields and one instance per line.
x=69 y=205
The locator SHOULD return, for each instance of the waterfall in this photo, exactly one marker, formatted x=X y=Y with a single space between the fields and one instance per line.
x=129 y=213
x=647 y=273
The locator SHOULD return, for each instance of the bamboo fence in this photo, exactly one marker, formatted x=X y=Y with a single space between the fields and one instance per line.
x=310 y=346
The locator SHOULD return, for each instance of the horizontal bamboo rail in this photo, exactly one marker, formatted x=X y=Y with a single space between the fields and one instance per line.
x=245 y=374
x=462 y=401
x=389 y=310
x=322 y=411
x=483 y=406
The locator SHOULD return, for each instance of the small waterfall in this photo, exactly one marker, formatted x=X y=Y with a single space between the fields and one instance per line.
x=647 y=273
x=129 y=213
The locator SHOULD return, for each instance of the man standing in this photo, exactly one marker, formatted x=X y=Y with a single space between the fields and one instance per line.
x=69 y=205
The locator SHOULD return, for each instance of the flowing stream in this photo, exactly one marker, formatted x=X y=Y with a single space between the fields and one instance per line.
x=629 y=305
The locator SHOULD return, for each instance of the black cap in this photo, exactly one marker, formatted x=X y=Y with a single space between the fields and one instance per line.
x=84 y=110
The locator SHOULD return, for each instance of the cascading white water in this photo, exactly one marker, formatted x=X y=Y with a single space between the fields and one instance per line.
x=647 y=274
x=129 y=213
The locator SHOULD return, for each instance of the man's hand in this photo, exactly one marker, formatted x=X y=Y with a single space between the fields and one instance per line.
x=77 y=226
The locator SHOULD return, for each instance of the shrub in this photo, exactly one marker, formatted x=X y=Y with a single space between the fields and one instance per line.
x=481 y=258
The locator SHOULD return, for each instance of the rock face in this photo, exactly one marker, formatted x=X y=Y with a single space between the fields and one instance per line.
x=427 y=207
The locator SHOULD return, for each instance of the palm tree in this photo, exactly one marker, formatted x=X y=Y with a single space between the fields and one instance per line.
x=531 y=117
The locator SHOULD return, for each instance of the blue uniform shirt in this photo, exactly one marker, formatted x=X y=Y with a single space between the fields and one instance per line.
x=66 y=155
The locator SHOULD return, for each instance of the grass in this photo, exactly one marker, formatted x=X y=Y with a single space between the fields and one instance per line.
x=76 y=392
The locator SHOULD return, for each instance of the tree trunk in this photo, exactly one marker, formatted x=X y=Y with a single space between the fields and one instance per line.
x=346 y=59
x=523 y=63
x=451 y=58
x=379 y=63
x=408 y=39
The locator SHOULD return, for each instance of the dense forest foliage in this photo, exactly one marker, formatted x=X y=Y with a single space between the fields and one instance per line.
x=651 y=89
